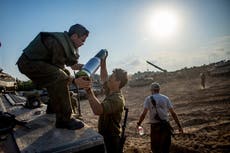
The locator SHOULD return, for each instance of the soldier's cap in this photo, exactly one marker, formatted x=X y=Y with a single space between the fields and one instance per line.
x=154 y=86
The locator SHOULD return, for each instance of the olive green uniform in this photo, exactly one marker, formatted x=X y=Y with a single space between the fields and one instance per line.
x=74 y=103
x=109 y=121
x=43 y=61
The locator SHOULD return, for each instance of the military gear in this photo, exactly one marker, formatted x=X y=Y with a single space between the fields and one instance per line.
x=123 y=136
x=41 y=50
x=8 y=122
x=109 y=121
x=33 y=101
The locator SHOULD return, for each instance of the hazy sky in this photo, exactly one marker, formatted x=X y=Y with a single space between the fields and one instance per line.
x=172 y=34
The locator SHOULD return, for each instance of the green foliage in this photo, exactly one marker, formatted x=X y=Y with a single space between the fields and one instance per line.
x=25 y=85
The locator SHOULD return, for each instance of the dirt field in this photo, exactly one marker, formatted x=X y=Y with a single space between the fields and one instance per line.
x=204 y=114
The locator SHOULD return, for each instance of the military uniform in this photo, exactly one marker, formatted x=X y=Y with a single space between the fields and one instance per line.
x=74 y=101
x=109 y=121
x=43 y=61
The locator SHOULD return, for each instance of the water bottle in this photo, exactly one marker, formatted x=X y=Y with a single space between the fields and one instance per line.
x=92 y=65
x=140 y=130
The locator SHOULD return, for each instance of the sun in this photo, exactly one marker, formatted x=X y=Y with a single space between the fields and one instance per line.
x=163 y=23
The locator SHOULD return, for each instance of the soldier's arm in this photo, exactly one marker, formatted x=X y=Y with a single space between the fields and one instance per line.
x=94 y=102
x=104 y=73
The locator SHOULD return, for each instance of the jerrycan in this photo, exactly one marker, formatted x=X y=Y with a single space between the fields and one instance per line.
x=92 y=65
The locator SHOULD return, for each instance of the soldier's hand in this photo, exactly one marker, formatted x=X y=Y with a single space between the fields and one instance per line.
x=103 y=60
x=82 y=82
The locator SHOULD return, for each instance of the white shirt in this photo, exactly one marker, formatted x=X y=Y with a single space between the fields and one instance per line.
x=163 y=104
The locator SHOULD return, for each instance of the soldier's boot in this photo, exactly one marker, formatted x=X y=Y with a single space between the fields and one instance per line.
x=72 y=124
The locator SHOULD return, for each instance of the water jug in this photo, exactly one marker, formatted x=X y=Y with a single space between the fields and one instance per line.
x=92 y=65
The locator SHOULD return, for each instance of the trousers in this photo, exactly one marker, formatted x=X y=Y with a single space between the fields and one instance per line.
x=160 y=139
x=54 y=79
x=112 y=144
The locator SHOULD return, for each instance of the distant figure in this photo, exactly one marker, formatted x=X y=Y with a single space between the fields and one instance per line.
x=44 y=61
x=111 y=108
x=158 y=106
x=203 y=79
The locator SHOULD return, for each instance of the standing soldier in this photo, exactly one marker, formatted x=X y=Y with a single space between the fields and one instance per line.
x=203 y=78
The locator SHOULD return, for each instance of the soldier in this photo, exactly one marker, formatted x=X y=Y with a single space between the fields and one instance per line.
x=111 y=108
x=203 y=79
x=44 y=61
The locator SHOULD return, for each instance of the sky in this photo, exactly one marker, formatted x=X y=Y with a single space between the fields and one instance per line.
x=171 y=34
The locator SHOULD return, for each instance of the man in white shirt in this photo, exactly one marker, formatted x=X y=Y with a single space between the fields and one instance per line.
x=158 y=106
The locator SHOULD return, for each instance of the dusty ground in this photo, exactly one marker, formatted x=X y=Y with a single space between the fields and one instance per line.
x=204 y=115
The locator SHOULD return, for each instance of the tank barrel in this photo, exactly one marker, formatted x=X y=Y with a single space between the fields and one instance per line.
x=156 y=66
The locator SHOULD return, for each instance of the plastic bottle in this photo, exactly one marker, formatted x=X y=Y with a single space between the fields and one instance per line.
x=92 y=65
x=140 y=130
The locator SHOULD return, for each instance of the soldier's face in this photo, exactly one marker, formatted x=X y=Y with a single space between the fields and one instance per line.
x=113 y=82
x=78 y=41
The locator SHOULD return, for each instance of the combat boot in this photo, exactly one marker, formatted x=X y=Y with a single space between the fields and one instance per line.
x=72 y=124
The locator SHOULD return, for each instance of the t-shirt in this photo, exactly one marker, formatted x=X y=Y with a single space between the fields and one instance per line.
x=163 y=104
x=109 y=121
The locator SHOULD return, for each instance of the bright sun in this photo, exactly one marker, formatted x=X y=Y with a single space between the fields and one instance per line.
x=163 y=23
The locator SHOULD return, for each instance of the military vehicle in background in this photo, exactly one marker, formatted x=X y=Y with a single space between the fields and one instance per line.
x=7 y=83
